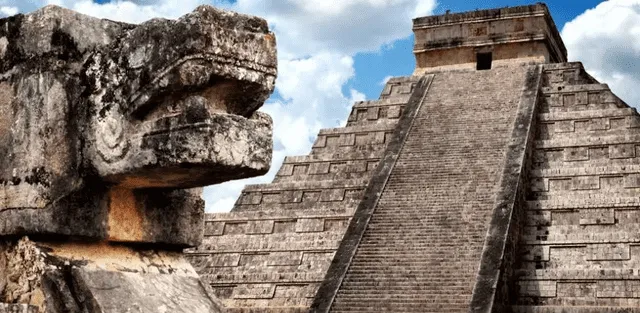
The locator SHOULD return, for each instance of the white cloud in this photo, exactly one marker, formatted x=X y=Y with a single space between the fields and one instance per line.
x=8 y=11
x=317 y=40
x=12 y=7
x=385 y=80
x=316 y=43
x=136 y=11
x=607 y=40
x=346 y=26
x=311 y=98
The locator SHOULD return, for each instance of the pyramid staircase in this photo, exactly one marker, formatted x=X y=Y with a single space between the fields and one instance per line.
x=272 y=251
x=422 y=246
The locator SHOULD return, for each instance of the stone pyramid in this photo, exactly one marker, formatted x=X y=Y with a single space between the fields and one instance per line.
x=496 y=178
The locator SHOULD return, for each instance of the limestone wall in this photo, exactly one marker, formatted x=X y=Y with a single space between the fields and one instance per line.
x=510 y=33
x=580 y=248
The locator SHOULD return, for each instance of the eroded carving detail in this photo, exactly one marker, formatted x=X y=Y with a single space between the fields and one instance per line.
x=107 y=130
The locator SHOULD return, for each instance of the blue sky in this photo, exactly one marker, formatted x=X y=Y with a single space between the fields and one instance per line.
x=397 y=60
x=372 y=68
x=334 y=52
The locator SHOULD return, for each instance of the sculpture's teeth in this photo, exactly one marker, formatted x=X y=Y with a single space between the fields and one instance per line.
x=212 y=97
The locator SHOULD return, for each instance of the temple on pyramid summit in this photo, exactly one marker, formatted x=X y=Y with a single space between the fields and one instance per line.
x=498 y=177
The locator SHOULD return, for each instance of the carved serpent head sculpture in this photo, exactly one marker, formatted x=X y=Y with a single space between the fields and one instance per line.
x=104 y=124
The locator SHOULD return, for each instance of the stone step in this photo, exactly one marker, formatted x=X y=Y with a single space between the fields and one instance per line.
x=413 y=264
x=589 y=170
x=584 y=217
x=578 y=203
x=323 y=166
x=333 y=218
x=569 y=89
x=354 y=165
x=353 y=138
x=399 y=88
x=376 y=256
x=399 y=301
x=350 y=170
x=554 y=159
x=550 y=108
x=366 y=306
x=308 y=213
x=240 y=276
x=596 y=126
x=355 y=155
x=360 y=293
x=276 y=262
x=611 y=275
x=570 y=95
x=322 y=222
x=302 y=186
x=388 y=126
x=265 y=303
x=349 y=203
x=374 y=308
x=344 y=151
x=574 y=309
x=393 y=243
x=380 y=103
x=380 y=255
x=399 y=224
x=578 y=98
x=590 y=194
x=597 y=136
x=373 y=289
x=418 y=295
x=400 y=304
x=570 y=235
x=398 y=275
x=253 y=197
x=347 y=152
x=562 y=74
x=326 y=241
x=371 y=112
x=389 y=307
x=627 y=137
x=274 y=309
x=588 y=114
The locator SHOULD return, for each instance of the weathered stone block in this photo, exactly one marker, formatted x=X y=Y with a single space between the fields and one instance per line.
x=563 y=126
x=101 y=277
x=115 y=292
x=622 y=151
x=597 y=216
x=576 y=154
x=254 y=291
x=107 y=130
x=102 y=121
x=17 y=308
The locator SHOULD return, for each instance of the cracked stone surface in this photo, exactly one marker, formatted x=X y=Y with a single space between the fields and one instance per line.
x=87 y=104
x=108 y=131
